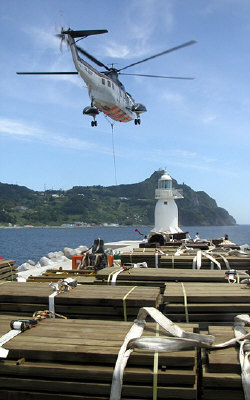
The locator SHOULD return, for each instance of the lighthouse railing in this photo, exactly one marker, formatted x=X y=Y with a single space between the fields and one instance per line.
x=168 y=193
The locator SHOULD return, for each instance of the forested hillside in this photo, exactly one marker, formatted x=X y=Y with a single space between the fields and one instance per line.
x=131 y=204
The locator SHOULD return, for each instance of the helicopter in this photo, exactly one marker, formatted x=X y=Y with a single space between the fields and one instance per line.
x=106 y=92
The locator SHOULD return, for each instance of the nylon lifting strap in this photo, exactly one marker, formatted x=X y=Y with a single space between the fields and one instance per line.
x=178 y=340
x=124 y=303
x=156 y=366
x=112 y=273
x=64 y=285
x=18 y=327
x=11 y=270
x=185 y=302
x=115 y=275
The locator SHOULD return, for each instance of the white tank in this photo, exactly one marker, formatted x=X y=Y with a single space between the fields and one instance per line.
x=166 y=211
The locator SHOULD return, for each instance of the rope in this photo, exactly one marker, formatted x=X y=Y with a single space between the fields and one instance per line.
x=11 y=270
x=124 y=303
x=185 y=302
x=113 y=145
x=40 y=315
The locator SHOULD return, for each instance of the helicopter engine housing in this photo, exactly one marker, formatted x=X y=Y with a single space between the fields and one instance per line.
x=138 y=108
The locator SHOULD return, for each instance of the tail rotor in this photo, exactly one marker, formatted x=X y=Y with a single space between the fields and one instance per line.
x=62 y=37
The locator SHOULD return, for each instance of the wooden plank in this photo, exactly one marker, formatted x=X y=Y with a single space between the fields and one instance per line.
x=206 y=293
x=94 y=373
x=97 y=388
x=31 y=395
x=228 y=394
x=219 y=380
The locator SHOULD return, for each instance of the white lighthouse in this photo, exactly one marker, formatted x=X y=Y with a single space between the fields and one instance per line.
x=166 y=211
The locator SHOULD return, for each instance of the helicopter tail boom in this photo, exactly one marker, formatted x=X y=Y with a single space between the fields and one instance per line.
x=85 y=33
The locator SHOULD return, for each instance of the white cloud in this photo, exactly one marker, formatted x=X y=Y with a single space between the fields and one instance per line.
x=19 y=128
x=209 y=118
x=26 y=131
x=173 y=97
x=142 y=19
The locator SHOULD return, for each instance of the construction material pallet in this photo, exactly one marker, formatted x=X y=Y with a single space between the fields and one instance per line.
x=86 y=276
x=158 y=276
x=171 y=260
x=84 y=301
x=221 y=373
x=205 y=302
x=186 y=261
x=74 y=359
x=8 y=270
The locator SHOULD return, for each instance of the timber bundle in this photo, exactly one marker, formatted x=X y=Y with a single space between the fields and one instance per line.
x=74 y=360
x=221 y=371
x=205 y=302
x=84 y=301
x=168 y=257
x=157 y=276
x=8 y=270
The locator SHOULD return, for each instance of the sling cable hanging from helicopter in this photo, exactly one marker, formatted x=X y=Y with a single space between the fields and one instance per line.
x=113 y=147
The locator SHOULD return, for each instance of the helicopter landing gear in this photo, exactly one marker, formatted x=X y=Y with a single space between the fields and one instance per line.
x=94 y=123
x=137 y=121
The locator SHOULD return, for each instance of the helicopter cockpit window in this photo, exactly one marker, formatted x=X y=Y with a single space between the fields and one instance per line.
x=103 y=81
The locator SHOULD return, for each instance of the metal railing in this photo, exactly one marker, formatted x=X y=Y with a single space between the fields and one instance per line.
x=169 y=193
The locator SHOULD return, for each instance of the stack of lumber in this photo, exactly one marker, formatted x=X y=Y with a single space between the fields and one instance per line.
x=84 y=301
x=140 y=255
x=185 y=260
x=158 y=276
x=205 y=302
x=221 y=370
x=74 y=360
x=8 y=270
x=83 y=277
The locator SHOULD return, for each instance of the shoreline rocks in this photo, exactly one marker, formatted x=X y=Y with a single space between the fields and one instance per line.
x=53 y=260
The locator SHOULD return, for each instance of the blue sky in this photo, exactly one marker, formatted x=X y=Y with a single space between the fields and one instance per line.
x=198 y=130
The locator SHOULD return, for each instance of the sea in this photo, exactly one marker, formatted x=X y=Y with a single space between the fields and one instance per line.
x=22 y=244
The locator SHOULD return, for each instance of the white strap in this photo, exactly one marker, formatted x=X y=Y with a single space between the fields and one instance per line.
x=5 y=338
x=198 y=265
x=52 y=303
x=212 y=259
x=115 y=275
x=132 y=340
x=156 y=259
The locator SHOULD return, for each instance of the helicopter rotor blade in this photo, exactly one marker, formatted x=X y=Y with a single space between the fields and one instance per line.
x=92 y=58
x=47 y=73
x=157 y=76
x=160 y=54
